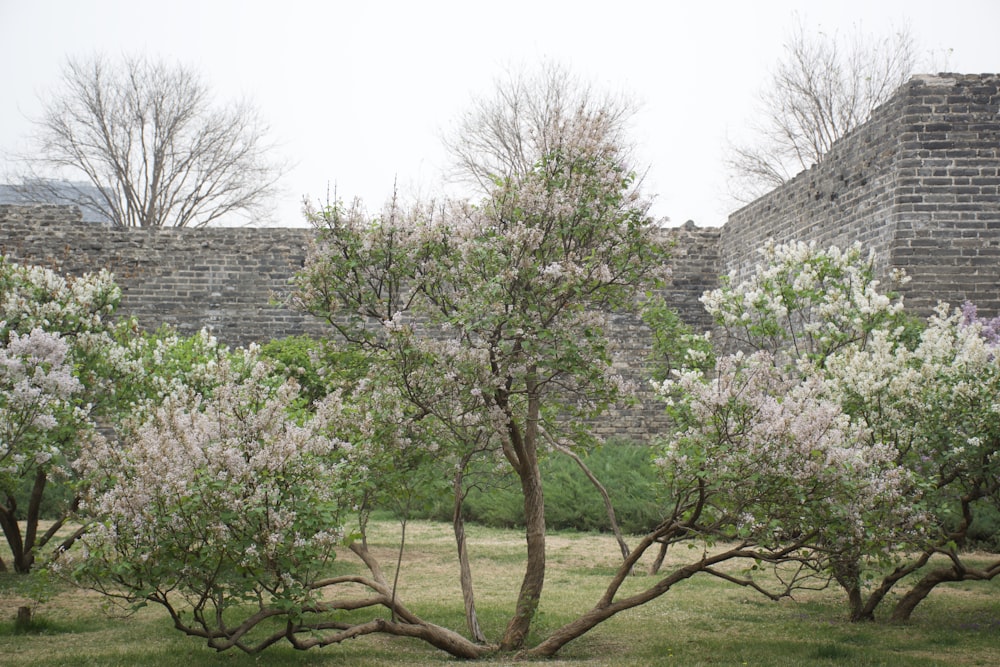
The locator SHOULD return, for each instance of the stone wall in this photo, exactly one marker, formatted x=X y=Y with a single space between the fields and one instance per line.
x=947 y=203
x=236 y=281
x=847 y=198
x=229 y=279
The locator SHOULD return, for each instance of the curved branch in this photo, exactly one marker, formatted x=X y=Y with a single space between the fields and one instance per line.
x=600 y=489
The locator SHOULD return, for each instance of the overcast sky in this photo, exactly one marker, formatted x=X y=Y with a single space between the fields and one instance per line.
x=358 y=94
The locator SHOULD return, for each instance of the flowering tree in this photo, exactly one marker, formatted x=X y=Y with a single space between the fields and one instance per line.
x=939 y=403
x=486 y=326
x=758 y=467
x=222 y=502
x=520 y=285
x=36 y=389
x=924 y=400
x=56 y=345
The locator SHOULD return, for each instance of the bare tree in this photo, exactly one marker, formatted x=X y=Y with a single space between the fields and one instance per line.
x=529 y=115
x=156 y=148
x=824 y=86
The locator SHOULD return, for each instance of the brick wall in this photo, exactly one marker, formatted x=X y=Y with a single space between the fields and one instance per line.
x=918 y=183
x=228 y=279
x=845 y=199
x=234 y=279
x=947 y=202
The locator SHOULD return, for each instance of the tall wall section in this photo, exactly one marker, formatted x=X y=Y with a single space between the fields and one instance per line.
x=947 y=203
x=847 y=198
x=918 y=184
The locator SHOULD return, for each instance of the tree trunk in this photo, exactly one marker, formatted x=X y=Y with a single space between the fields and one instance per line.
x=534 y=573
x=876 y=596
x=34 y=510
x=24 y=546
x=658 y=561
x=12 y=531
x=848 y=575
x=468 y=596
x=906 y=605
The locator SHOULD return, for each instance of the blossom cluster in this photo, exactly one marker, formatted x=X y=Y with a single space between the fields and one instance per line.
x=153 y=368
x=804 y=301
x=989 y=328
x=223 y=492
x=34 y=296
x=774 y=455
x=54 y=336
x=36 y=385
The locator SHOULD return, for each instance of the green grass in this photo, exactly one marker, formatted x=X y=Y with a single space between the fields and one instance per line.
x=701 y=621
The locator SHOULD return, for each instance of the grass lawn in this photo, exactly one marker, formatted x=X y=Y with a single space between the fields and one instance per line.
x=702 y=621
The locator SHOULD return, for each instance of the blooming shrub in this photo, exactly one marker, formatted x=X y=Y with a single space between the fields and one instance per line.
x=151 y=368
x=58 y=354
x=804 y=303
x=919 y=403
x=771 y=456
x=36 y=388
x=218 y=502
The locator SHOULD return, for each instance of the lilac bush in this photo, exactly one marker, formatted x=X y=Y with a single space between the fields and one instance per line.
x=921 y=397
x=58 y=352
x=219 y=502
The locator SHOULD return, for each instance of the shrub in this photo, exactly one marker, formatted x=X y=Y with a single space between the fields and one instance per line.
x=571 y=502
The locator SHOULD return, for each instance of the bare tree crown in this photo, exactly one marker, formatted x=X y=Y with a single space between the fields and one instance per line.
x=529 y=116
x=147 y=135
x=824 y=86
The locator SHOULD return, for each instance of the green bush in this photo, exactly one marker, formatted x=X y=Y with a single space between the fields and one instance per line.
x=571 y=501
x=318 y=365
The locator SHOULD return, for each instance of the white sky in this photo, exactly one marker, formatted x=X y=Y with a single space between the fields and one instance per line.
x=358 y=94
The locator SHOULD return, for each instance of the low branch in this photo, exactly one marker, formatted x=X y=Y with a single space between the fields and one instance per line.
x=749 y=583
x=607 y=606
x=600 y=489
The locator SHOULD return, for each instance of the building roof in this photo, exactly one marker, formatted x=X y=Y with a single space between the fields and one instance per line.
x=56 y=192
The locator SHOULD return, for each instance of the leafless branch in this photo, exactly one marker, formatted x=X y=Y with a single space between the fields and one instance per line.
x=824 y=86
x=529 y=116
